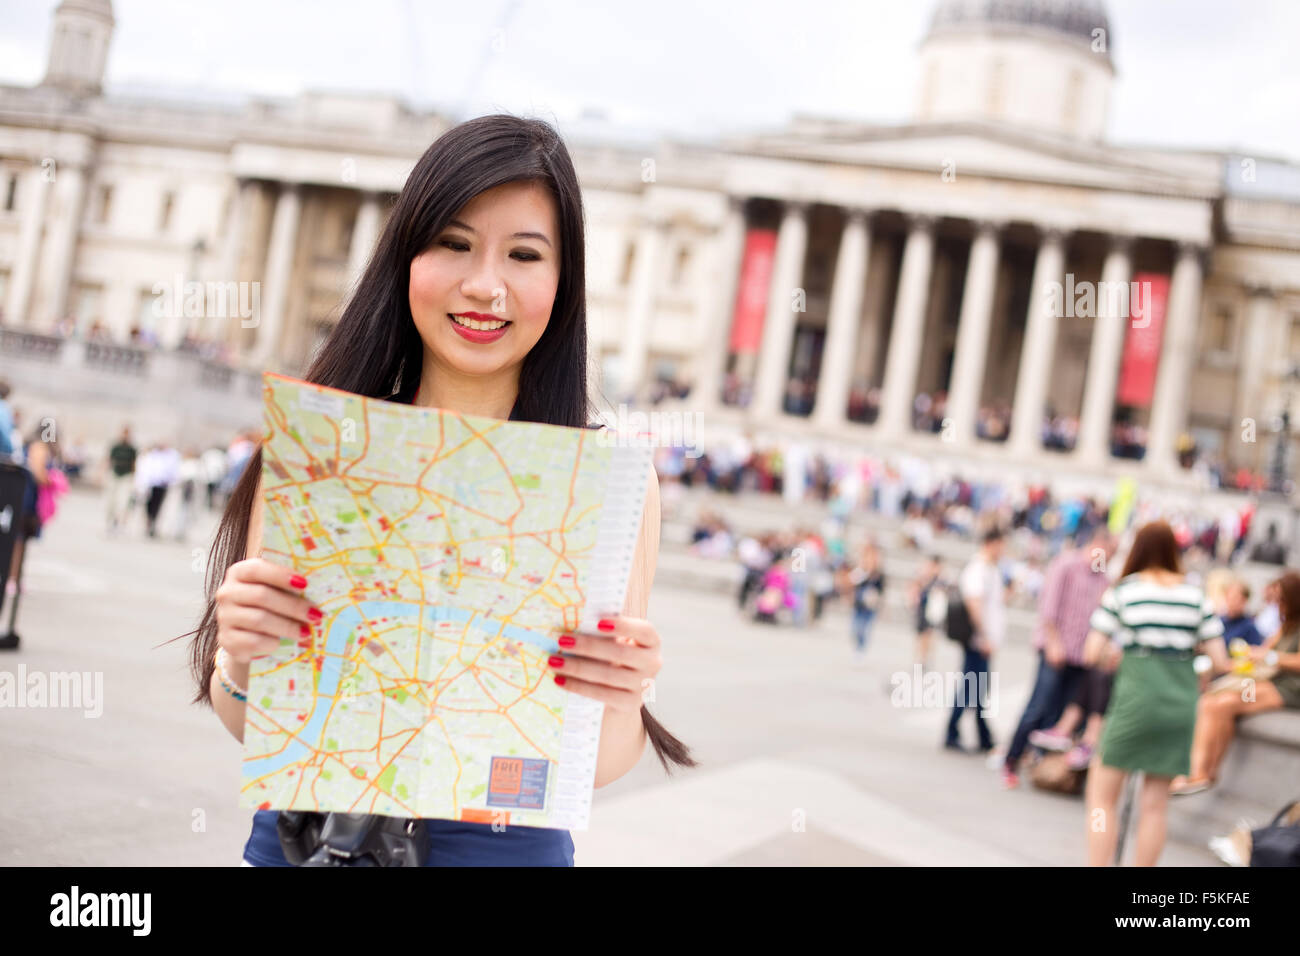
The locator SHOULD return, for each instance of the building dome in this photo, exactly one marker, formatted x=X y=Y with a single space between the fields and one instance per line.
x=1043 y=65
x=1075 y=20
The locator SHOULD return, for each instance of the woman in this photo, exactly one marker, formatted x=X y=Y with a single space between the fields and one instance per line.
x=1154 y=621
x=926 y=598
x=1217 y=713
x=490 y=220
x=868 y=584
x=40 y=453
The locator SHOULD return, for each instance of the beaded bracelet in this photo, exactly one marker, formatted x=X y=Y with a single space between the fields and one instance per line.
x=227 y=684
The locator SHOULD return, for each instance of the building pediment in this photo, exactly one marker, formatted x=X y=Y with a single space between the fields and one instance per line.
x=977 y=149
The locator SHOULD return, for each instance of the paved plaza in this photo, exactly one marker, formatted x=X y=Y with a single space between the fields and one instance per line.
x=803 y=758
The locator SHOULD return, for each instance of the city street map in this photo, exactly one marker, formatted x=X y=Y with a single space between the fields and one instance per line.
x=448 y=553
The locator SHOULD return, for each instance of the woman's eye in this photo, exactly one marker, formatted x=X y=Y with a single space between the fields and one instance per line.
x=456 y=246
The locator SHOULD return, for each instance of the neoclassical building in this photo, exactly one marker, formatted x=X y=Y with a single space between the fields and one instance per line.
x=894 y=287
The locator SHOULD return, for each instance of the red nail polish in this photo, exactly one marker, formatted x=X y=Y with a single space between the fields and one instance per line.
x=606 y=625
x=559 y=679
x=555 y=661
x=568 y=640
x=304 y=630
x=315 y=613
x=297 y=581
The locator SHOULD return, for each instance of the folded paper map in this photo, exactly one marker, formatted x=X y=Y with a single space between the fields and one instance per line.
x=447 y=552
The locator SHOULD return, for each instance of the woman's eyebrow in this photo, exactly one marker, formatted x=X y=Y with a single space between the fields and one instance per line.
x=518 y=235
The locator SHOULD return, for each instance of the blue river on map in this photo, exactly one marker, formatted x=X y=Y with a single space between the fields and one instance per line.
x=332 y=667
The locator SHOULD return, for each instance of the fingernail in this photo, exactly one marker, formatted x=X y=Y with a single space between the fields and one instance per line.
x=315 y=613
x=559 y=678
x=304 y=630
x=297 y=581
x=568 y=640
x=555 y=661
x=606 y=625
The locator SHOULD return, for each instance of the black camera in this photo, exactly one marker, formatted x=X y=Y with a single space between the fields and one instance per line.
x=352 y=839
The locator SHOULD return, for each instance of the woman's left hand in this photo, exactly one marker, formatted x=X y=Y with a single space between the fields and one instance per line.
x=617 y=665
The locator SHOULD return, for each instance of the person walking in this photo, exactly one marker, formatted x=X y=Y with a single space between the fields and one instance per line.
x=121 y=479
x=1075 y=582
x=1155 y=622
x=868 y=585
x=188 y=473
x=983 y=593
x=928 y=582
x=157 y=473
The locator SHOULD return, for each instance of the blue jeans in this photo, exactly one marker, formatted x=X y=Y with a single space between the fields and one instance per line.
x=974 y=666
x=1054 y=687
x=862 y=621
x=452 y=843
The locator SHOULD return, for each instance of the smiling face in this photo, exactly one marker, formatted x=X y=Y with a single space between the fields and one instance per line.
x=499 y=257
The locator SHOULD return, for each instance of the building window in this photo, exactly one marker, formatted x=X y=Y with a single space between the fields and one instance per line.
x=1219 y=329
x=146 y=315
x=347 y=226
x=629 y=256
x=89 y=305
x=165 y=214
x=103 y=204
x=11 y=191
x=681 y=264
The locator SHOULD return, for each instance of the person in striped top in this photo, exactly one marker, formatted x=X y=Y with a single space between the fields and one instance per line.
x=1149 y=625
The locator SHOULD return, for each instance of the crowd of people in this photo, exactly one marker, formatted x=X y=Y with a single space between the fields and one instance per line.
x=1115 y=689
x=140 y=337
x=134 y=479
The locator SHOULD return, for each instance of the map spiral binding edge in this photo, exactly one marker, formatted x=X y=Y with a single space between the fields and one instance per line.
x=610 y=567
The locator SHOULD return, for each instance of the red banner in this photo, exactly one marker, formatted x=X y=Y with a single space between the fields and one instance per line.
x=751 y=291
x=1148 y=297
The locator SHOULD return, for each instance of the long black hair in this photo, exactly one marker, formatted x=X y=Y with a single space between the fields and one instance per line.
x=375 y=349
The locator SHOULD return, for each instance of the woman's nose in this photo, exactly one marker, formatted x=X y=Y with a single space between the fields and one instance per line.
x=483 y=283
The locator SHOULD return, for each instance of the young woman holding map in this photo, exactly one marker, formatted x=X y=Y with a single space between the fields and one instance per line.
x=473 y=302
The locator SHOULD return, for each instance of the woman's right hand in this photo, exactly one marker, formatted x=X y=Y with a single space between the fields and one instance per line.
x=258 y=603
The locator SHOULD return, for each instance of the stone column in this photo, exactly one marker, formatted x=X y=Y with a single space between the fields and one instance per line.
x=971 y=352
x=21 y=280
x=70 y=181
x=232 y=249
x=1108 y=333
x=1039 y=347
x=364 y=233
x=1255 y=362
x=905 y=333
x=1177 y=353
x=652 y=238
x=729 y=246
x=831 y=406
x=778 y=324
x=279 y=273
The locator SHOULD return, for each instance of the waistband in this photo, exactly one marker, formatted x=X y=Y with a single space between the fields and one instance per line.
x=1166 y=653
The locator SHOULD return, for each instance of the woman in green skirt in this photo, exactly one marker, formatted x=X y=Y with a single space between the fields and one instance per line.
x=1152 y=623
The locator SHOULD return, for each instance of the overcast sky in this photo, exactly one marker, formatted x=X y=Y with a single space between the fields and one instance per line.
x=1219 y=75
